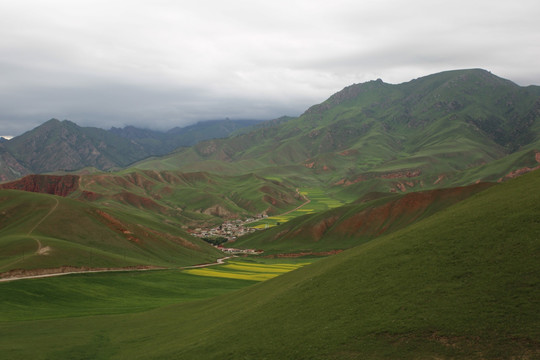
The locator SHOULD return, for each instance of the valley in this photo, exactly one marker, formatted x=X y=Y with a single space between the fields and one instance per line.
x=389 y=221
x=406 y=294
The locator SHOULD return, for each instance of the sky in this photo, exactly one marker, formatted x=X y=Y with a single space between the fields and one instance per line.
x=163 y=63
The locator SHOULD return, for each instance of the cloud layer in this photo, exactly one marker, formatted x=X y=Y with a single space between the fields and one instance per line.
x=167 y=63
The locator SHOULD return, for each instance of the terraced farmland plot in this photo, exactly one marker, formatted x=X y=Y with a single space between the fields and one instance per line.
x=319 y=200
x=247 y=270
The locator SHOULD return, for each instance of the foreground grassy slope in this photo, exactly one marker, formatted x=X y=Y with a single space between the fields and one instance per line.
x=463 y=283
x=107 y=293
x=125 y=292
x=40 y=231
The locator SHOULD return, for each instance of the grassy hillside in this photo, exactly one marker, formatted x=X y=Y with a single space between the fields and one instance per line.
x=41 y=231
x=63 y=145
x=191 y=198
x=427 y=133
x=461 y=284
x=365 y=219
x=198 y=196
x=160 y=143
x=126 y=218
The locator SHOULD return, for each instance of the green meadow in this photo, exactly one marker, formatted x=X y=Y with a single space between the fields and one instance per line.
x=122 y=292
x=45 y=231
x=320 y=200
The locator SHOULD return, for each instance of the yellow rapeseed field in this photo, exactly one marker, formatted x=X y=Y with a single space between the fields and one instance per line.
x=246 y=271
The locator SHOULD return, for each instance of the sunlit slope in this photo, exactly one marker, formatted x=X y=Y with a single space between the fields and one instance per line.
x=461 y=284
x=374 y=215
x=45 y=231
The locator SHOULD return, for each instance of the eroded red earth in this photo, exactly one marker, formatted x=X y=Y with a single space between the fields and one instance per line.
x=47 y=184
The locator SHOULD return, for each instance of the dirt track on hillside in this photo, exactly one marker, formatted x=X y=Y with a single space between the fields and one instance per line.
x=40 y=249
x=21 y=274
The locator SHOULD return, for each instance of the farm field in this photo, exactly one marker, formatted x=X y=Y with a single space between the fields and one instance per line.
x=319 y=200
x=255 y=271
x=130 y=292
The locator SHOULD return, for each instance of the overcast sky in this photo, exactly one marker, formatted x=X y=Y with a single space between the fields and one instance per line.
x=164 y=63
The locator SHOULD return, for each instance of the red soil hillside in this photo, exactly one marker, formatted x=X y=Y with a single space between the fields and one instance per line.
x=47 y=184
x=403 y=211
x=349 y=225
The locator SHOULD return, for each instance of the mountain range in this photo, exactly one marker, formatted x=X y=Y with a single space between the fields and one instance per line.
x=65 y=146
x=426 y=194
x=447 y=129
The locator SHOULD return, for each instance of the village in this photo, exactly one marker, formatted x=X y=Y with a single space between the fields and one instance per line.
x=228 y=232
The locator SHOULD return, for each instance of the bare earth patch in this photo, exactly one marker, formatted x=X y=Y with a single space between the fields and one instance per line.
x=46 y=250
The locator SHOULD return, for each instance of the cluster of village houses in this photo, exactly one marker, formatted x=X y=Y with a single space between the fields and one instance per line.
x=230 y=230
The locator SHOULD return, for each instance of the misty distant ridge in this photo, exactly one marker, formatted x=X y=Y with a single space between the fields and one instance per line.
x=63 y=145
x=422 y=118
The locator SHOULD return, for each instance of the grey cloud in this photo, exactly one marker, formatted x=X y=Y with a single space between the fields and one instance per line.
x=166 y=63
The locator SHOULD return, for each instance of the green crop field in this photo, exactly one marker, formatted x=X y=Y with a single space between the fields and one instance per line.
x=319 y=200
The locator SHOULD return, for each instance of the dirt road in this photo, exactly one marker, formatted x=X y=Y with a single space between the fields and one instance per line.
x=88 y=271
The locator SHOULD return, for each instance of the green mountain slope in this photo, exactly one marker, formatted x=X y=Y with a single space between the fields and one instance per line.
x=374 y=215
x=416 y=135
x=10 y=168
x=204 y=130
x=41 y=231
x=456 y=285
x=160 y=143
x=461 y=284
x=189 y=194
x=183 y=199
x=63 y=145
